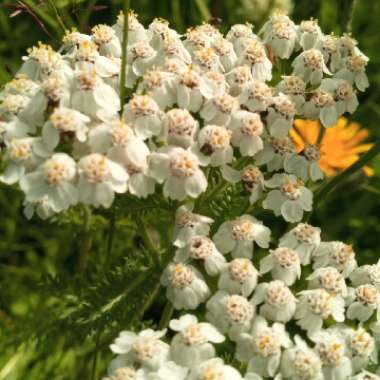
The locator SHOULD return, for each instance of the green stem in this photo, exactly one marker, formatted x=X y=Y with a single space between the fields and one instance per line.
x=321 y=134
x=148 y=242
x=41 y=13
x=95 y=360
x=58 y=16
x=203 y=9
x=124 y=45
x=177 y=17
x=111 y=234
x=166 y=316
x=86 y=15
x=364 y=159
x=86 y=240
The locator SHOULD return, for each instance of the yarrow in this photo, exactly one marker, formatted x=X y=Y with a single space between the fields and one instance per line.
x=207 y=116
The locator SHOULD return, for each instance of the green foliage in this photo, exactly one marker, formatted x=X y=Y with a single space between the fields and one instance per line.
x=57 y=318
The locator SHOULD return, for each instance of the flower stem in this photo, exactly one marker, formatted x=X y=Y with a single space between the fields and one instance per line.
x=58 y=16
x=166 y=316
x=148 y=242
x=124 y=45
x=41 y=13
x=111 y=234
x=329 y=186
x=203 y=9
x=86 y=240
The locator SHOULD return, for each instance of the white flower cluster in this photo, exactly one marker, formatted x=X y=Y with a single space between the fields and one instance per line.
x=324 y=325
x=206 y=103
x=199 y=100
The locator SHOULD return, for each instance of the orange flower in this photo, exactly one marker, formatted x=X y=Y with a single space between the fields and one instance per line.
x=341 y=144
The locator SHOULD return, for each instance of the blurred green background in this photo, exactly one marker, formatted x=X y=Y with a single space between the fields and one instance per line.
x=38 y=260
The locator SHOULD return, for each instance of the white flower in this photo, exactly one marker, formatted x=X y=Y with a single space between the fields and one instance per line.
x=179 y=170
x=261 y=347
x=159 y=85
x=315 y=306
x=214 y=369
x=238 y=78
x=304 y=239
x=42 y=207
x=192 y=89
x=206 y=59
x=129 y=151
x=99 y=180
x=239 y=34
x=256 y=96
x=280 y=33
x=294 y=87
x=14 y=128
x=366 y=274
x=143 y=112
x=301 y=363
x=280 y=115
x=167 y=371
x=24 y=155
x=310 y=66
x=141 y=57
x=255 y=56
x=335 y=254
x=275 y=151
x=344 y=94
x=329 y=46
x=54 y=179
x=179 y=128
x=214 y=145
x=196 y=38
x=321 y=106
x=136 y=31
x=309 y=33
x=283 y=263
x=366 y=301
x=361 y=347
x=216 y=81
x=365 y=375
x=41 y=61
x=64 y=122
x=278 y=302
x=306 y=164
x=238 y=277
x=290 y=199
x=247 y=128
x=172 y=49
x=86 y=58
x=159 y=30
x=93 y=97
x=218 y=109
x=145 y=348
x=124 y=373
x=201 y=248
x=28 y=110
x=238 y=236
x=105 y=37
x=192 y=345
x=354 y=70
x=226 y=53
x=188 y=224
x=331 y=349
x=330 y=279
x=231 y=314
x=251 y=178
x=185 y=287
x=21 y=84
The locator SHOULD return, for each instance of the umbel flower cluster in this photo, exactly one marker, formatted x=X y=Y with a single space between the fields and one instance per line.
x=203 y=104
